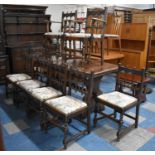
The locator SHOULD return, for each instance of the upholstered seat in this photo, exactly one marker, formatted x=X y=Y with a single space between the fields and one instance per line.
x=45 y=93
x=30 y=84
x=118 y=99
x=128 y=92
x=18 y=77
x=66 y=104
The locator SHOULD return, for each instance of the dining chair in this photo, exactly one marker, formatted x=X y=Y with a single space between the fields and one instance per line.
x=68 y=23
x=68 y=108
x=116 y=30
x=127 y=95
x=95 y=24
x=56 y=87
x=13 y=78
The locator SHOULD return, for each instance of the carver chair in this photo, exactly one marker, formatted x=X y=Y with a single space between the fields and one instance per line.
x=127 y=95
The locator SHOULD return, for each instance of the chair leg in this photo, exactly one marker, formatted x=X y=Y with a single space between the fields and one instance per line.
x=41 y=118
x=107 y=46
x=115 y=113
x=88 y=121
x=95 y=114
x=6 y=89
x=15 y=96
x=137 y=116
x=120 y=126
x=120 y=44
x=65 y=133
x=45 y=125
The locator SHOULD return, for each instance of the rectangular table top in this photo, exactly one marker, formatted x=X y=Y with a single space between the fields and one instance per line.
x=93 y=66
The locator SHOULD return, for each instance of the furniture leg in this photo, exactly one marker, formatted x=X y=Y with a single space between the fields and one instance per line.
x=65 y=133
x=41 y=118
x=120 y=45
x=115 y=113
x=120 y=126
x=88 y=121
x=137 y=116
x=45 y=125
x=6 y=89
x=107 y=46
x=95 y=114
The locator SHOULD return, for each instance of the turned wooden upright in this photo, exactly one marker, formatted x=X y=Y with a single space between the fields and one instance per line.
x=1 y=140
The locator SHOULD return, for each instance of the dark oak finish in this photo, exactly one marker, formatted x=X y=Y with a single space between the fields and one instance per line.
x=131 y=82
x=21 y=24
x=1 y=139
x=4 y=67
x=79 y=82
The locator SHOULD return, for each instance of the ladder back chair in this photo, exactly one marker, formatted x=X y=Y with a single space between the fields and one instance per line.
x=73 y=47
x=69 y=107
x=39 y=74
x=95 y=24
x=68 y=23
x=127 y=95
x=116 y=30
x=55 y=88
x=96 y=19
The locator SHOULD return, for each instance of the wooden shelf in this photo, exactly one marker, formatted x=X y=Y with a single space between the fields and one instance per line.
x=32 y=33
x=128 y=50
x=25 y=15
x=25 y=22
x=94 y=27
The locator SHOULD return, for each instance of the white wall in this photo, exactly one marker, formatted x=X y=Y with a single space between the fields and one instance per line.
x=55 y=10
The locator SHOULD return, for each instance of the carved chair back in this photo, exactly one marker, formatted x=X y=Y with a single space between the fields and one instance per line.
x=57 y=76
x=130 y=81
x=82 y=83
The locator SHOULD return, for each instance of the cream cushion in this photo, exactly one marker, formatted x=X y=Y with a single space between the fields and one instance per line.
x=118 y=99
x=45 y=93
x=18 y=77
x=30 y=84
x=66 y=104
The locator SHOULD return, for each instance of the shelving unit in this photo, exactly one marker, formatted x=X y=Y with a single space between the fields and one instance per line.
x=22 y=24
x=134 y=43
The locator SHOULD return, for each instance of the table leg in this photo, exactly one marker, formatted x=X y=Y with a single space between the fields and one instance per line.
x=107 y=46
x=96 y=92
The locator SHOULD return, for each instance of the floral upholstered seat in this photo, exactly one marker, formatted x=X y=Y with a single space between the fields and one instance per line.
x=45 y=93
x=66 y=104
x=18 y=77
x=30 y=84
x=118 y=99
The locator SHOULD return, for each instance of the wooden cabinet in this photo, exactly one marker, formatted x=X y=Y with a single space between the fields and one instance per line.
x=3 y=67
x=134 y=44
x=22 y=24
x=151 y=49
x=17 y=55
